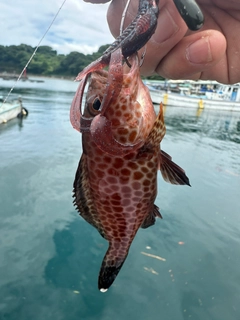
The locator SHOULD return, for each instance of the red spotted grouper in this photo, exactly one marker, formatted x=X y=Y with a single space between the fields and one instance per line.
x=116 y=180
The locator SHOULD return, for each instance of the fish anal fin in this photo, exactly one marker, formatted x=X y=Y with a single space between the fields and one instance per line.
x=170 y=171
x=150 y=219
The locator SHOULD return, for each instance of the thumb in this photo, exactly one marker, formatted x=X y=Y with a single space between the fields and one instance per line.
x=193 y=54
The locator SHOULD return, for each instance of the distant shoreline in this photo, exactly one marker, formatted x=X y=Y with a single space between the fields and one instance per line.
x=14 y=76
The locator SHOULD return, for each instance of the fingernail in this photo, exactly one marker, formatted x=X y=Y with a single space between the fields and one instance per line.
x=166 y=27
x=199 y=51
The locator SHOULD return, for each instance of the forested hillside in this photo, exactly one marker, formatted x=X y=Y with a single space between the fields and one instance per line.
x=46 y=61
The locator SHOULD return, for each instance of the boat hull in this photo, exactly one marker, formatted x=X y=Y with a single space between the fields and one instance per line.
x=174 y=99
x=10 y=110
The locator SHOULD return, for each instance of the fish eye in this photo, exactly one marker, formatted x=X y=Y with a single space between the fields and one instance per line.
x=96 y=104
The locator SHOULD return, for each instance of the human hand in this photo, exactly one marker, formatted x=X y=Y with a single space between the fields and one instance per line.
x=212 y=53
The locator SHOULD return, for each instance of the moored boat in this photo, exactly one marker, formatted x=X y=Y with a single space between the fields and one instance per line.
x=196 y=94
x=11 y=109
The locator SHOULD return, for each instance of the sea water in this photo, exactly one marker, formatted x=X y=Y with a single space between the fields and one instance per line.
x=50 y=257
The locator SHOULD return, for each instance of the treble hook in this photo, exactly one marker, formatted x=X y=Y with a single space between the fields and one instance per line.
x=191 y=13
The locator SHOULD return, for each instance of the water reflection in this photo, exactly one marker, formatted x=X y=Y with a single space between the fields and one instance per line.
x=12 y=125
x=203 y=302
x=75 y=266
x=220 y=125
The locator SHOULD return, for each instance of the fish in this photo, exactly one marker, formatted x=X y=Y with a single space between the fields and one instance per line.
x=116 y=181
x=115 y=185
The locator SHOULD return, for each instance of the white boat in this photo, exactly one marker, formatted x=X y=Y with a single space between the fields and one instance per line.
x=196 y=94
x=11 y=109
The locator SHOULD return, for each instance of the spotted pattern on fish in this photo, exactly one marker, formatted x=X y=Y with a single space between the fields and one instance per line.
x=126 y=112
x=117 y=196
x=116 y=181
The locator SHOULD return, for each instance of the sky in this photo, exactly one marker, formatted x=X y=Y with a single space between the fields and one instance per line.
x=79 y=26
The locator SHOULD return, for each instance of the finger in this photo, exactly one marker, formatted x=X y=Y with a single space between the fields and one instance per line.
x=170 y=30
x=114 y=15
x=218 y=72
x=195 y=54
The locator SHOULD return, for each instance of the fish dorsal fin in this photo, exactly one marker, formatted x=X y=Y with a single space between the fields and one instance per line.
x=170 y=171
x=158 y=130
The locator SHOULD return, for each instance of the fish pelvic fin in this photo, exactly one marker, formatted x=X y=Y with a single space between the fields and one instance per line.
x=110 y=268
x=170 y=171
x=151 y=217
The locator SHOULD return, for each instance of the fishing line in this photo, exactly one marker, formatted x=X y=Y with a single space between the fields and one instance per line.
x=121 y=31
x=34 y=52
x=123 y=16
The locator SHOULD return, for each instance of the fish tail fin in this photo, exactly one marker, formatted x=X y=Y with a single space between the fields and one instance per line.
x=110 y=268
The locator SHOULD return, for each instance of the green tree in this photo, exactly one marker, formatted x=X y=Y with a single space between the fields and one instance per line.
x=47 y=61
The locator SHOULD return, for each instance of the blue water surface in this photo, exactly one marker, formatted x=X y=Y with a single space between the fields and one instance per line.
x=50 y=257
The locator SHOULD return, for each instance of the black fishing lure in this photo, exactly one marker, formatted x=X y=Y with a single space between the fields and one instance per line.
x=191 y=13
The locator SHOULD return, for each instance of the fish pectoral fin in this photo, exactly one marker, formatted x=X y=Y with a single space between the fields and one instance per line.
x=110 y=268
x=170 y=171
x=150 y=219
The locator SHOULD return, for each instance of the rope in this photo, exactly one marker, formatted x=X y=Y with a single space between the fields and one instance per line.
x=34 y=52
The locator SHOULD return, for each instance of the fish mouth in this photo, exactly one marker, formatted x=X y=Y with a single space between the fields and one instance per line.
x=100 y=127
